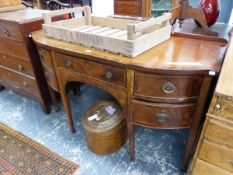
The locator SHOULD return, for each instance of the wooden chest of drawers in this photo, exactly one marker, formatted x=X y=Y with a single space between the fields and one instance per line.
x=132 y=7
x=20 y=68
x=214 y=155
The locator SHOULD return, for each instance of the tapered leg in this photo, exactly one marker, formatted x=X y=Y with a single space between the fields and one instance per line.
x=131 y=140
x=1 y=88
x=54 y=98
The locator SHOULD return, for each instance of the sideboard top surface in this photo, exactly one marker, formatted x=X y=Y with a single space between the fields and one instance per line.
x=177 y=54
x=22 y=16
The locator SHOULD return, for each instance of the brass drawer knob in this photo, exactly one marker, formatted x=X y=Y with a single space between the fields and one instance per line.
x=68 y=63
x=108 y=75
x=231 y=162
x=168 y=87
x=20 y=67
x=7 y=33
x=25 y=84
x=4 y=57
x=41 y=55
x=218 y=107
x=162 y=117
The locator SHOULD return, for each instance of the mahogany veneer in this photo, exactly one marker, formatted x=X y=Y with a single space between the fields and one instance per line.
x=20 y=68
x=166 y=87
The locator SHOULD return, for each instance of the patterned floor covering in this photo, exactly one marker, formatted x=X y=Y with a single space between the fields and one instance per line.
x=20 y=155
x=158 y=152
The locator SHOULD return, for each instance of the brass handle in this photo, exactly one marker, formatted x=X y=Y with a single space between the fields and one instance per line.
x=7 y=33
x=218 y=107
x=20 y=67
x=68 y=63
x=108 y=75
x=162 y=117
x=231 y=162
x=46 y=75
x=169 y=87
x=25 y=84
x=4 y=57
x=41 y=55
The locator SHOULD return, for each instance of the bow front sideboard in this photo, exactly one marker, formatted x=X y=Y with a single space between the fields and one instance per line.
x=166 y=87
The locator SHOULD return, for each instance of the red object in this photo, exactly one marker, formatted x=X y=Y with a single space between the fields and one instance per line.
x=211 y=9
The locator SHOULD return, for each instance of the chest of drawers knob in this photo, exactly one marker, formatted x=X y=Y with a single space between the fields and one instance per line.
x=108 y=75
x=41 y=54
x=231 y=162
x=4 y=57
x=168 y=87
x=162 y=117
x=7 y=33
x=68 y=63
x=218 y=107
x=20 y=67
x=25 y=84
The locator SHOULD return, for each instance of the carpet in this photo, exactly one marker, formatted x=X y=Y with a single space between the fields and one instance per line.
x=20 y=155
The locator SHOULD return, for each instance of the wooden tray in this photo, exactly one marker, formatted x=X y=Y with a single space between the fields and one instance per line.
x=121 y=36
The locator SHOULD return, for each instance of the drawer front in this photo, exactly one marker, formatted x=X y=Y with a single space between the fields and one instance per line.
x=10 y=30
x=133 y=8
x=51 y=77
x=204 y=168
x=167 y=88
x=19 y=81
x=162 y=115
x=95 y=70
x=224 y=108
x=14 y=48
x=217 y=155
x=16 y=64
x=45 y=57
x=219 y=132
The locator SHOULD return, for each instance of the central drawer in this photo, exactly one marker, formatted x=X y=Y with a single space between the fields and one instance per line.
x=162 y=115
x=16 y=64
x=95 y=70
x=164 y=88
x=19 y=81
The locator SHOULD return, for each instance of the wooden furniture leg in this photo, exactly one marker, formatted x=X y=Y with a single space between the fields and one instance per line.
x=1 y=88
x=54 y=99
x=190 y=147
x=186 y=11
x=131 y=136
x=66 y=101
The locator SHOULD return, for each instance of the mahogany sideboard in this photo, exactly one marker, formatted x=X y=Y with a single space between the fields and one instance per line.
x=20 y=68
x=214 y=154
x=165 y=87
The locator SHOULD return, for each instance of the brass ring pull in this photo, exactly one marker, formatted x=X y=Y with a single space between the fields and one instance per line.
x=169 y=87
x=108 y=75
x=25 y=84
x=68 y=63
x=20 y=67
x=218 y=107
x=162 y=117
x=7 y=33
x=41 y=55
